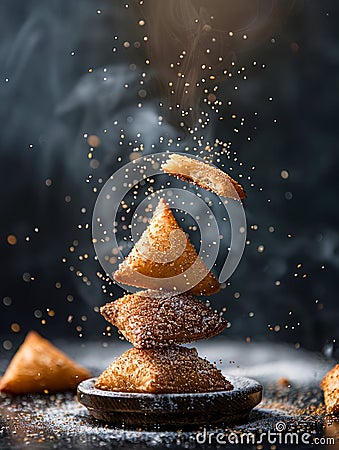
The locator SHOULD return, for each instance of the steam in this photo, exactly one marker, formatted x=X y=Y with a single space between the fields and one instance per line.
x=192 y=42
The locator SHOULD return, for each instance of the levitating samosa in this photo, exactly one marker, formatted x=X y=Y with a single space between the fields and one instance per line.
x=155 y=318
x=164 y=259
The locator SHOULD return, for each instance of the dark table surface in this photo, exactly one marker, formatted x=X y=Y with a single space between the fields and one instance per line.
x=291 y=415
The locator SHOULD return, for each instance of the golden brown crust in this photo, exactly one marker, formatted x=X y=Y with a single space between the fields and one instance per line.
x=162 y=255
x=162 y=370
x=330 y=386
x=203 y=175
x=38 y=366
x=153 y=318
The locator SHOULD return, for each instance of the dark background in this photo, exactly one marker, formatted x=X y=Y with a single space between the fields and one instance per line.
x=53 y=57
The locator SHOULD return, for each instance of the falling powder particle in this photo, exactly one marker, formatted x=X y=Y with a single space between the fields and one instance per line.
x=7 y=301
x=7 y=345
x=26 y=277
x=15 y=327
x=93 y=140
x=11 y=239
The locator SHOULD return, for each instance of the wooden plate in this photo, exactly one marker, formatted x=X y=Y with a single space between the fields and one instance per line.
x=133 y=409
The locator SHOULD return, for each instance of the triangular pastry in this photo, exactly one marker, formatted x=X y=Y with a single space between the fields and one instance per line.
x=165 y=259
x=153 y=318
x=38 y=366
x=204 y=175
x=330 y=386
x=172 y=369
